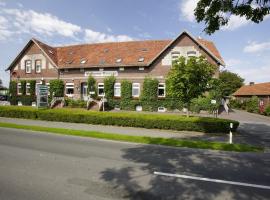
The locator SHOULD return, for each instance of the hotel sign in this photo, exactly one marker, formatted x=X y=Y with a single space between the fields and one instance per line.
x=101 y=73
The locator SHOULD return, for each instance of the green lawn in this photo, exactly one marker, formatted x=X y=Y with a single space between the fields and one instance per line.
x=141 y=139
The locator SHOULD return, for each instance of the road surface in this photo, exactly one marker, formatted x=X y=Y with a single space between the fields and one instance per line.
x=43 y=166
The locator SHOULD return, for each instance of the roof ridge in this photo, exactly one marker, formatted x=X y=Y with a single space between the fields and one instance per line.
x=101 y=43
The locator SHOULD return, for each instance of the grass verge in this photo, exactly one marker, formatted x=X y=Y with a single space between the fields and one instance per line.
x=140 y=139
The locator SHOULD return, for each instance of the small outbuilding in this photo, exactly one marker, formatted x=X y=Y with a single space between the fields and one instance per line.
x=261 y=90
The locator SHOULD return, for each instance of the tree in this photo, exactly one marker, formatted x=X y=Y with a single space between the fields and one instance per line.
x=216 y=13
x=57 y=88
x=229 y=82
x=189 y=78
x=109 y=87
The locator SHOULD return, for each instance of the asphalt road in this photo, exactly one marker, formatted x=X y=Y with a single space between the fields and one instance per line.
x=46 y=166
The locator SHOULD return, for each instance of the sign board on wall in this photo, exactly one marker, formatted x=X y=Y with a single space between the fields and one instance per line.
x=101 y=73
x=42 y=96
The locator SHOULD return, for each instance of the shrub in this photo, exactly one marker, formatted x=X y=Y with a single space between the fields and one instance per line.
x=26 y=99
x=149 y=95
x=109 y=87
x=153 y=121
x=126 y=95
x=57 y=88
x=267 y=111
x=253 y=105
x=32 y=87
x=91 y=86
x=75 y=103
x=13 y=93
x=23 y=87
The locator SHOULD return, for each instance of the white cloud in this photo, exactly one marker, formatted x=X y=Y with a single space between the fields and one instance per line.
x=233 y=62
x=95 y=36
x=187 y=8
x=29 y=21
x=4 y=32
x=255 y=47
x=235 y=22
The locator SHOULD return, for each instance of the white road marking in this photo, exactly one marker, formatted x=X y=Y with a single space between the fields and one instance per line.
x=213 y=180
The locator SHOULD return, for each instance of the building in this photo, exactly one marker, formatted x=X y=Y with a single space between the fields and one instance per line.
x=261 y=90
x=125 y=60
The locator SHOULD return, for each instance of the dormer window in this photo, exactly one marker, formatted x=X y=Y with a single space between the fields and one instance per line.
x=69 y=62
x=121 y=69
x=28 y=66
x=191 y=53
x=118 y=60
x=141 y=59
x=175 y=55
x=50 y=51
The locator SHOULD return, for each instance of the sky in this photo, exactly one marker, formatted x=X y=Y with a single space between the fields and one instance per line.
x=244 y=46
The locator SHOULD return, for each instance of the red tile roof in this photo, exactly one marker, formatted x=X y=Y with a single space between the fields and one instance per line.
x=256 y=89
x=106 y=54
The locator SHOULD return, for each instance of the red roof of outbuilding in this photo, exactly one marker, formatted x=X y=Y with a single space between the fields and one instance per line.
x=256 y=89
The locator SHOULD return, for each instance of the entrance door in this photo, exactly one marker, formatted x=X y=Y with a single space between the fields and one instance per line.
x=84 y=91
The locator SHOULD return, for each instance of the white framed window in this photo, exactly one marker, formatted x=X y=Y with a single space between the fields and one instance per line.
x=48 y=85
x=27 y=89
x=70 y=89
x=135 y=89
x=175 y=55
x=38 y=66
x=161 y=90
x=117 y=89
x=101 y=92
x=141 y=68
x=28 y=66
x=19 y=88
x=191 y=53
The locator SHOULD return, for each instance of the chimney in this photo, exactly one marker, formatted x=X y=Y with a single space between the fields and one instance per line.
x=251 y=83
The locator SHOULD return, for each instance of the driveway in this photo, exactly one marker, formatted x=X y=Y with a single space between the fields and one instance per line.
x=253 y=129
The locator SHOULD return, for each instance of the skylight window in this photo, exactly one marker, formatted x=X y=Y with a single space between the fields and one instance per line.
x=118 y=60
x=83 y=61
x=69 y=61
x=141 y=59
x=70 y=53
x=144 y=49
x=50 y=51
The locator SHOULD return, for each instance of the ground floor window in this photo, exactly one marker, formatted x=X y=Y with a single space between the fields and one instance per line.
x=117 y=89
x=19 y=88
x=161 y=90
x=27 y=89
x=70 y=89
x=101 y=89
x=135 y=89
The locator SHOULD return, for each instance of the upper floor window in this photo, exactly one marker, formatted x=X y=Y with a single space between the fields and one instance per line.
x=19 y=88
x=101 y=92
x=27 y=91
x=117 y=89
x=135 y=89
x=161 y=90
x=175 y=55
x=38 y=66
x=191 y=53
x=28 y=66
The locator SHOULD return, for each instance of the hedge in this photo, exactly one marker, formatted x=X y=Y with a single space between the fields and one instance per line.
x=151 y=121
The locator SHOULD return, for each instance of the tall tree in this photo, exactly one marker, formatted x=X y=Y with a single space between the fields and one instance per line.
x=216 y=13
x=229 y=82
x=188 y=79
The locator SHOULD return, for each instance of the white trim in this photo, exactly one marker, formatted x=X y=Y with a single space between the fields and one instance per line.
x=19 y=85
x=117 y=86
x=136 y=86
x=27 y=86
x=101 y=86
x=162 y=87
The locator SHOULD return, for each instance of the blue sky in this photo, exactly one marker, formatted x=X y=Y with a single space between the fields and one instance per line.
x=245 y=46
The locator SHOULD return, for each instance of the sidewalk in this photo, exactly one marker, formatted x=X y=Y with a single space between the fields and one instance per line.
x=120 y=130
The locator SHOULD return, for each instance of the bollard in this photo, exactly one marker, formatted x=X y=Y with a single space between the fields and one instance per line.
x=230 y=136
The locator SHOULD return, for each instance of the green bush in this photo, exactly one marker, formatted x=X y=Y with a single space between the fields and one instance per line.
x=91 y=86
x=152 y=121
x=57 y=88
x=252 y=105
x=126 y=95
x=32 y=87
x=109 y=87
x=26 y=99
x=75 y=103
x=23 y=87
x=267 y=111
x=149 y=94
x=13 y=93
